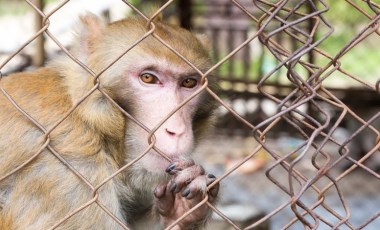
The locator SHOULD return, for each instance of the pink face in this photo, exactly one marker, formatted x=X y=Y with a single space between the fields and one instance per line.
x=158 y=90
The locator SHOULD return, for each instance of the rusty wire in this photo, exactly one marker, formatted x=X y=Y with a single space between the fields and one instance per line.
x=289 y=15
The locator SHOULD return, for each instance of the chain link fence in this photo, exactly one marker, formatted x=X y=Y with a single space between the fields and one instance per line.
x=302 y=71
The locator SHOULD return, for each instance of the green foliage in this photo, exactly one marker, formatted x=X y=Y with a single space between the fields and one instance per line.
x=344 y=13
x=8 y=7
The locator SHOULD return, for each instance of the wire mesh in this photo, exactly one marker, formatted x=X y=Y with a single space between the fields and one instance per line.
x=302 y=22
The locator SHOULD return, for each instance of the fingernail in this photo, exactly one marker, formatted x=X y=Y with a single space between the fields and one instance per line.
x=186 y=192
x=170 y=168
x=173 y=186
x=211 y=176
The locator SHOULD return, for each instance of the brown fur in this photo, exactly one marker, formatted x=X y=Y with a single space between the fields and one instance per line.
x=91 y=138
x=50 y=185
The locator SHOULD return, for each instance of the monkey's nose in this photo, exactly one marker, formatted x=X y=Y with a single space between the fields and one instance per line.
x=170 y=132
x=175 y=126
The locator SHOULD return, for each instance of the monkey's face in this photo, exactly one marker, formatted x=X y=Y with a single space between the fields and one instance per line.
x=158 y=90
x=150 y=82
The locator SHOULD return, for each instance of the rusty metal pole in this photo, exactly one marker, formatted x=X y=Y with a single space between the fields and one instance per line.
x=39 y=55
x=311 y=56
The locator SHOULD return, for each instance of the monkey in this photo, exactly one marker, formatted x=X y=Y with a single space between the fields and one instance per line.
x=61 y=147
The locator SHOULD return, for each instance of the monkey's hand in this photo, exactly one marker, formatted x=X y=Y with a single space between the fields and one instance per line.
x=185 y=190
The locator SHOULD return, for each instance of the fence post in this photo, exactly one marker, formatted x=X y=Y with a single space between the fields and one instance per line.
x=185 y=13
x=311 y=56
x=39 y=52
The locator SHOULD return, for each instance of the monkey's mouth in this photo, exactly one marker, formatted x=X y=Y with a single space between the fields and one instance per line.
x=155 y=162
x=163 y=157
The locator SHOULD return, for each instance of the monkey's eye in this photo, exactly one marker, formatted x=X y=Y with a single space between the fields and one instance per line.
x=189 y=83
x=149 y=78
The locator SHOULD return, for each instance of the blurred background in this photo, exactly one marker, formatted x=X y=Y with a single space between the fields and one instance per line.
x=261 y=177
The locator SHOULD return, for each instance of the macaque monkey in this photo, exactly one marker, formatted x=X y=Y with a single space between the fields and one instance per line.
x=97 y=139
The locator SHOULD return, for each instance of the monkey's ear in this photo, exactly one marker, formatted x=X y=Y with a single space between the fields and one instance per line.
x=205 y=41
x=90 y=30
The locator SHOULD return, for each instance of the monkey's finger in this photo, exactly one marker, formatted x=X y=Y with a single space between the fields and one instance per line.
x=164 y=199
x=160 y=190
x=196 y=189
x=214 y=190
x=186 y=176
x=178 y=165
